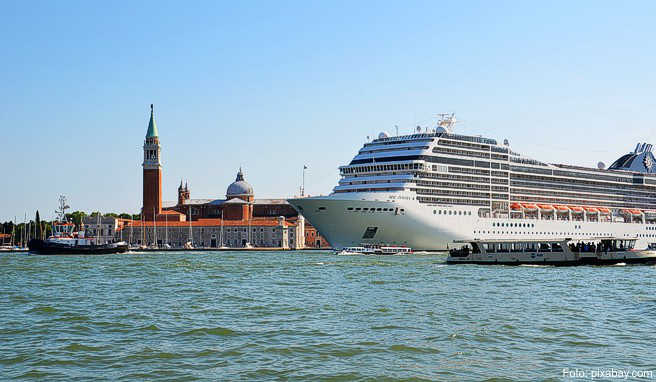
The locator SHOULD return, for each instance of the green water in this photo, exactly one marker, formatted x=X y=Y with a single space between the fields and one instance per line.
x=316 y=316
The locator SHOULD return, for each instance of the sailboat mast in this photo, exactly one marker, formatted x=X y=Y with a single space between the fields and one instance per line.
x=191 y=234
x=154 y=229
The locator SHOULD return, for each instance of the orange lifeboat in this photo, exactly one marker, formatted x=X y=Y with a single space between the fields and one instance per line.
x=604 y=210
x=529 y=206
x=576 y=209
x=561 y=208
x=515 y=206
x=546 y=207
x=591 y=210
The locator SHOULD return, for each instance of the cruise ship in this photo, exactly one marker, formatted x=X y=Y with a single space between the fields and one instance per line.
x=427 y=189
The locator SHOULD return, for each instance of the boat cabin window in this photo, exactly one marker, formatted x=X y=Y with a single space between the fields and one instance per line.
x=555 y=247
x=518 y=247
x=544 y=247
x=531 y=247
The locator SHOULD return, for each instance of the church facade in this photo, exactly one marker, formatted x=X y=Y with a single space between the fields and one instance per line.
x=236 y=221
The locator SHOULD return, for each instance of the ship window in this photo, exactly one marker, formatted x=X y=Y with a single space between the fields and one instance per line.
x=350 y=208
x=449 y=212
x=358 y=209
x=379 y=209
x=434 y=212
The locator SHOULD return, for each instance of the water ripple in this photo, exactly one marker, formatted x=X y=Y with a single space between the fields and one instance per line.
x=301 y=316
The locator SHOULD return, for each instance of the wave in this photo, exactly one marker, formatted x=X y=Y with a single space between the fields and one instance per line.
x=218 y=331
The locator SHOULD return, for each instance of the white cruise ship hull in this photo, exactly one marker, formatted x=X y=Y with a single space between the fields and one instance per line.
x=398 y=219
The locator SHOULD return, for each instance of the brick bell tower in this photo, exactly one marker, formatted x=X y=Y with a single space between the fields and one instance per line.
x=152 y=171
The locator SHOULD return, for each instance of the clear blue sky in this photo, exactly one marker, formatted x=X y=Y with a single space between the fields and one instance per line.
x=274 y=85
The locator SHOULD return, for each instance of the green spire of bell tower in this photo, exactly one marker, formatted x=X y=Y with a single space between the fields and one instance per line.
x=152 y=127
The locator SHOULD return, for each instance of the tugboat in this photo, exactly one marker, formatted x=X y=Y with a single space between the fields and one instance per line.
x=65 y=241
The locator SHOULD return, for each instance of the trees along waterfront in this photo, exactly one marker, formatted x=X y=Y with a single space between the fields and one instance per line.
x=42 y=229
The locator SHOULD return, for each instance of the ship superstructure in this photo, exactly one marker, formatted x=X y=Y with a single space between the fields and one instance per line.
x=429 y=188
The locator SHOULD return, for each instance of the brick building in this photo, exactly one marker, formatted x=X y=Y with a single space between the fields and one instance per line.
x=239 y=220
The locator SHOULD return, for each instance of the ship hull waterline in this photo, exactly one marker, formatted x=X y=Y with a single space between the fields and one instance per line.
x=41 y=247
x=422 y=228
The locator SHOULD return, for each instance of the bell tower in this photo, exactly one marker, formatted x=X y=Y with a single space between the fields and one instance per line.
x=183 y=193
x=152 y=171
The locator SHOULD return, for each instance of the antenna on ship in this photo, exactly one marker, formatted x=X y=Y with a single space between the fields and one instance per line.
x=446 y=122
x=61 y=211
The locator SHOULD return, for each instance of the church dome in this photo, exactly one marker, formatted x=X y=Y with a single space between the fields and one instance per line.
x=239 y=187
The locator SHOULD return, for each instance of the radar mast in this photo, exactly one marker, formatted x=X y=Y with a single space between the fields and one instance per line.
x=446 y=122
x=61 y=211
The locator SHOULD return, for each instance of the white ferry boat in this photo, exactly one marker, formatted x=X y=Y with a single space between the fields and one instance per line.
x=427 y=189
x=598 y=251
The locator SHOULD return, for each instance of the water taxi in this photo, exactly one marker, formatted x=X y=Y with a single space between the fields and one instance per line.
x=370 y=249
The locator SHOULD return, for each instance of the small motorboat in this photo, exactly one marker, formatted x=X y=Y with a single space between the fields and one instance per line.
x=373 y=249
